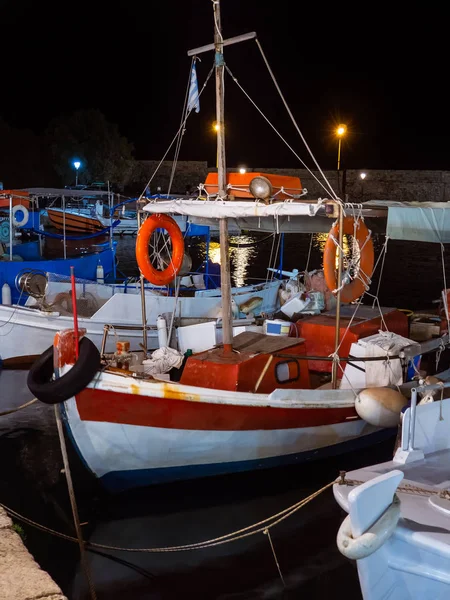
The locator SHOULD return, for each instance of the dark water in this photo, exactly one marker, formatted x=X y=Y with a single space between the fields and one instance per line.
x=412 y=275
x=186 y=512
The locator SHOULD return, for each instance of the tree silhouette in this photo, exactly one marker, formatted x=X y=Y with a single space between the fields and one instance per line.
x=105 y=154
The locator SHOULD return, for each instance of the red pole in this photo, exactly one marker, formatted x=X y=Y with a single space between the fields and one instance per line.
x=75 y=314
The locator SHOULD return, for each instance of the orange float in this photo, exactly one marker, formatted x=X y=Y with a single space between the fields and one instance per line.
x=353 y=290
x=145 y=232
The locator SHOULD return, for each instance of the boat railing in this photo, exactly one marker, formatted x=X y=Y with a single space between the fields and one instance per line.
x=408 y=442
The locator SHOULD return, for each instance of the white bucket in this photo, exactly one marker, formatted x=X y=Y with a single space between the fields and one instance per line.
x=197 y=338
x=294 y=305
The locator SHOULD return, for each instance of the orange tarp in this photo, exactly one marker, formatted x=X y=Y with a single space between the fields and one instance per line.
x=292 y=185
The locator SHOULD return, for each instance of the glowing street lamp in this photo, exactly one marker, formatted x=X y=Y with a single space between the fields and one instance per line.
x=362 y=176
x=77 y=165
x=340 y=132
x=242 y=170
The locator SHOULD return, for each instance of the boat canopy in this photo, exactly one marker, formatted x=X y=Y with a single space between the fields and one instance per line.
x=409 y=221
x=56 y=192
x=416 y=221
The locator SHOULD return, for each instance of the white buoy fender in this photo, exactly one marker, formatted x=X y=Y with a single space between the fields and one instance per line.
x=6 y=295
x=380 y=406
x=370 y=541
x=161 y=326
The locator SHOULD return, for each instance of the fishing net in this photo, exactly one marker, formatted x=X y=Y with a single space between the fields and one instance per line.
x=56 y=295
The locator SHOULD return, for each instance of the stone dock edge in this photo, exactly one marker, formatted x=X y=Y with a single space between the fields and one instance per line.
x=21 y=578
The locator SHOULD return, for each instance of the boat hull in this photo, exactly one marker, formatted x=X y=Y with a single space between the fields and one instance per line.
x=85 y=266
x=141 y=436
x=30 y=332
x=73 y=222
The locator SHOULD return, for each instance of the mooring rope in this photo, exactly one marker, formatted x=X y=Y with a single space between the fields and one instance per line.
x=259 y=527
x=14 y=410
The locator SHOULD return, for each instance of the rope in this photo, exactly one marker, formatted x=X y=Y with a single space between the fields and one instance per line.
x=267 y=532
x=181 y=130
x=14 y=410
x=270 y=258
x=406 y=488
x=174 y=139
x=334 y=195
x=253 y=529
x=58 y=236
x=280 y=136
x=73 y=502
x=445 y=288
x=309 y=252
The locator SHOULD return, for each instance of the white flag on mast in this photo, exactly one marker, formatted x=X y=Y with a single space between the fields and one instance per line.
x=193 y=98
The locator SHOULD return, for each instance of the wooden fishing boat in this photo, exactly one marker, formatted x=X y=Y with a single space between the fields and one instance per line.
x=254 y=400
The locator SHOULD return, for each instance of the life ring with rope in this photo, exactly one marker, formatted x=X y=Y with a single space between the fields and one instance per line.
x=357 y=286
x=153 y=275
x=53 y=391
x=20 y=222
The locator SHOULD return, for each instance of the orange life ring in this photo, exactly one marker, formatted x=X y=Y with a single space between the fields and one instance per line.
x=143 y=260
x=353 y=290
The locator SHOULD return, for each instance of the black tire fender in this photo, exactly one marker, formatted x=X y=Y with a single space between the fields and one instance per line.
x=54 y=391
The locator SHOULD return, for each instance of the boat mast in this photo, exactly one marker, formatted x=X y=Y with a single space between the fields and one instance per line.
x=222 y=182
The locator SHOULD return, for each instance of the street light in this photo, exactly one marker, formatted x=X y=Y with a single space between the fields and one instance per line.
x=242 y=170
x=340 y=132
x=362 y=176
x=77 y=165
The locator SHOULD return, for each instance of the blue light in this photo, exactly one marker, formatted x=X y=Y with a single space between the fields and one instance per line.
x=77 y=164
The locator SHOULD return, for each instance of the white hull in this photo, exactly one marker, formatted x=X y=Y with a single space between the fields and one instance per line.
x=413 y=563
x=118 y=427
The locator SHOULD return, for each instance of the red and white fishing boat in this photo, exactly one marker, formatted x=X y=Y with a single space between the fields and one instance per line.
x=253 y=401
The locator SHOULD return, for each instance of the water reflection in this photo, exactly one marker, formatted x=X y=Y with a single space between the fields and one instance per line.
x=241 y=256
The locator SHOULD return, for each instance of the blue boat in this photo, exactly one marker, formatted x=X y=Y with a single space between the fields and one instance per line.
x=55 y=253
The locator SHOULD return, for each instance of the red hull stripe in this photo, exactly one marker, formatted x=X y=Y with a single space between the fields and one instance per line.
x=147 y=411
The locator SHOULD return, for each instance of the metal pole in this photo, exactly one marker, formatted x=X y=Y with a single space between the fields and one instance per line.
x=143 y=307
x=334 y=371
x=64 y=225
x=225 y=280
x=10 y=227
x=339 y=167
x=110 y=208
x=412 y=419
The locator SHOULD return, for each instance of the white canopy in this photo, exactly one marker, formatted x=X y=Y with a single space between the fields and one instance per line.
x=416 y=221
x=217 y=209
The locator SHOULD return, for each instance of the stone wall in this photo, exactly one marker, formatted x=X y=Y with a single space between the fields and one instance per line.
x=431 y=186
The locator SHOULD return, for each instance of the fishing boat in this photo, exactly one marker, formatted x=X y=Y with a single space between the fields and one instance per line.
x=255 y=399
x=21 y=212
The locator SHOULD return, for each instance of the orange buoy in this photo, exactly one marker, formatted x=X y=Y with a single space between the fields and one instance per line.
x=152 y=274
x=353 y=290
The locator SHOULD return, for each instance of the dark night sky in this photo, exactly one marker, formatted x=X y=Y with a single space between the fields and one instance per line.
x=380 y=69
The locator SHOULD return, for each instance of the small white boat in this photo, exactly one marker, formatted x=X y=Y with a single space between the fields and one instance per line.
x=30 y=329
x=398 y=528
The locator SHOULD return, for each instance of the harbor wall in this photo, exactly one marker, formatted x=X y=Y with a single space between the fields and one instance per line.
x=21 y=578
x=401 y=185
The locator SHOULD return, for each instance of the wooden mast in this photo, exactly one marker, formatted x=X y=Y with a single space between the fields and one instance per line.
x=225 y=280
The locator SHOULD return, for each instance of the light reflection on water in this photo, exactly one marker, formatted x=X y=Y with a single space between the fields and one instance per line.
x=241 y=257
